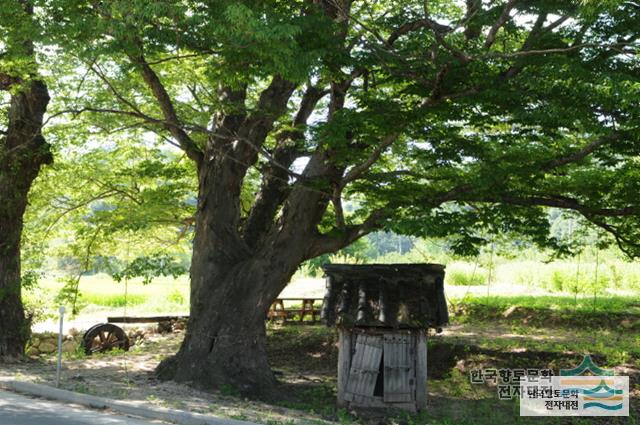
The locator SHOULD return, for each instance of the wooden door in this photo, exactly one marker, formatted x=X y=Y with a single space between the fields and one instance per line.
x=365 y=367
x=399 y=368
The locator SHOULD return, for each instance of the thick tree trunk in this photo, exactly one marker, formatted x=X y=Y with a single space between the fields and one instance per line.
x=14 y=329
x=22 y=152
x=225 y=344
x=232 y=287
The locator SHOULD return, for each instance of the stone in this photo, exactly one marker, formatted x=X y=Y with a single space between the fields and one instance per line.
x=35 y=342
x=33 y=351
x=509 y=311
x=69 y=347
x=52 y=341
x=164 y=326
x=46 y=347
x=74 y=332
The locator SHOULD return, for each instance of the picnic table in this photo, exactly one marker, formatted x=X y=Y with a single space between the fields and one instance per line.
x=302 y=307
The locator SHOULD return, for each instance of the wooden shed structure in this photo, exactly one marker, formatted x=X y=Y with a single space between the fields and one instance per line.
x=383 y=313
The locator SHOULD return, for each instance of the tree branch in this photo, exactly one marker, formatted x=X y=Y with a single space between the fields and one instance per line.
x=582 y=153
x=504 y=17
x=464 y=193
x=275 y=180
x=416 y=25
x=354 y=173
x=339 y=238
x=271 y=105
x=172 y=123
x=623 y=242
x=7 y=81
x=358 y=170
x=524 y=53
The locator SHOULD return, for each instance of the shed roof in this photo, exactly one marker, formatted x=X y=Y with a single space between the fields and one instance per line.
x=389 y=295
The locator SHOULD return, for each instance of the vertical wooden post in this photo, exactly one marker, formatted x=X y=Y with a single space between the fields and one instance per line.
x=344 y=363
x=421 y=370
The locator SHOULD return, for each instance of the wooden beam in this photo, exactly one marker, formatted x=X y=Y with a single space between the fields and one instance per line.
x=344 y=363
x=421 y=370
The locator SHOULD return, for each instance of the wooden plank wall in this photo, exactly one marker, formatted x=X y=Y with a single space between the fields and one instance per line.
x=345 y=350
x=421 y=370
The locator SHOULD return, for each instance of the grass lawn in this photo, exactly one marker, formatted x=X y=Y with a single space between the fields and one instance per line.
x=559 y=303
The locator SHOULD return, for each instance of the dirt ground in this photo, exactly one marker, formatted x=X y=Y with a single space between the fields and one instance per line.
x=129 y=376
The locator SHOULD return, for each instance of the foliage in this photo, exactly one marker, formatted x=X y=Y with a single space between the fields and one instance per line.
x=96 y=206
x=149 y=267
x=489 y=130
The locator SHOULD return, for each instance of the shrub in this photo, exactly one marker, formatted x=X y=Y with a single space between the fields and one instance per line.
x=176 y=297
x=559 y=281
x=617 y=277
x=340 y=258
x=305 y=271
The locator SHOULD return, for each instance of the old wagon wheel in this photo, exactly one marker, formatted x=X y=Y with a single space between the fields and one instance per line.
x=104 y=337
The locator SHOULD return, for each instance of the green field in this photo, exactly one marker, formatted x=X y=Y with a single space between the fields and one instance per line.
x=100 y=293
x=505 y=282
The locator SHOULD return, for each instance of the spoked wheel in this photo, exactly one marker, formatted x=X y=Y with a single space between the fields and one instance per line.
x=104 y=337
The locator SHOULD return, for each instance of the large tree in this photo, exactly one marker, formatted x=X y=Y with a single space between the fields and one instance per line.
x=23 y=151
x=436 y=118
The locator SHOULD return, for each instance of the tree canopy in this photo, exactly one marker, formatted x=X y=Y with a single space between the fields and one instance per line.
x=441 y=118
x=501 y=109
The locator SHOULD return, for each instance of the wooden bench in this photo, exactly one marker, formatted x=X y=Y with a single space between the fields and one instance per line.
x=308 y=307
x=144 y=319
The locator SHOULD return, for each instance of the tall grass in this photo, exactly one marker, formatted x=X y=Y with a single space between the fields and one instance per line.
x=612 y=304
x=99 y=293
x=465 y=274
x=572 y=277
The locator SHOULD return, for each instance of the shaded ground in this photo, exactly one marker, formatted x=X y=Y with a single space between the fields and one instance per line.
x=305 y=358
x=129 y=376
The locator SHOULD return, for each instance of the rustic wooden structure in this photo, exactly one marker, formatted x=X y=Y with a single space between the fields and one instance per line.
x=383 y=313
x=107 y=336
x=104 y=337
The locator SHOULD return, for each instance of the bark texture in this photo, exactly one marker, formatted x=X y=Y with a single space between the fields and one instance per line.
x=23 y=151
